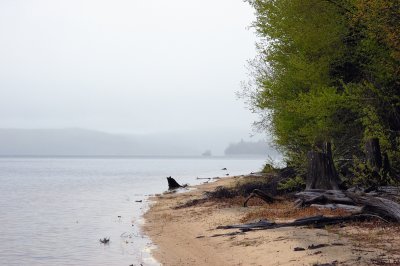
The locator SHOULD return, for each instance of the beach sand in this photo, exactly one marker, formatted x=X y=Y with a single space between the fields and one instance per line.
x=184 y=237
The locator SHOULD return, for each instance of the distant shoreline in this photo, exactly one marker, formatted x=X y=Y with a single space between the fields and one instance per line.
x=137 y=156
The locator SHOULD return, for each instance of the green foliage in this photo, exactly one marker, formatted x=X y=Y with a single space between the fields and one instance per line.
x=363 y=175
x=328 y=71
x=268 y=169
x=292 y=184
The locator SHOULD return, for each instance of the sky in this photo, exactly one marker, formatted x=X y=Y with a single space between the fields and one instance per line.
x=125 y=66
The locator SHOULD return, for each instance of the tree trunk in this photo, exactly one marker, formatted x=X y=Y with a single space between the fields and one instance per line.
x=386 y=164
x=321 y=172
x=373 y=154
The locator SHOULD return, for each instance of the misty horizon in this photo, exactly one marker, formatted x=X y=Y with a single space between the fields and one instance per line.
x=84 y=142
x=124 y=66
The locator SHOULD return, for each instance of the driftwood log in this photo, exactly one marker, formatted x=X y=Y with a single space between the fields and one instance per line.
x=322 y=191
x=364 y=206
x=259 y=194
x=319 y=221
x=377 y=205
x=319 y=196
x=369 y=202
x=334 y=206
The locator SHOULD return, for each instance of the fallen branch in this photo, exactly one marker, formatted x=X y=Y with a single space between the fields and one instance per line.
x=259 y=194
x=334 y=206
x=315 y=221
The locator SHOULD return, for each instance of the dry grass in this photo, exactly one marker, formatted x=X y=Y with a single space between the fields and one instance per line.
x=386 y=262
x=237 y=202
x=373 y=234
x=286 y=210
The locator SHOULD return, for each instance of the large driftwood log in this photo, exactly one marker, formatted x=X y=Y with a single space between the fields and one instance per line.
x=319 y=196
x=377 y=205
x=321 y=172
x=388 y=190
x=382 y=207
x=315 y=221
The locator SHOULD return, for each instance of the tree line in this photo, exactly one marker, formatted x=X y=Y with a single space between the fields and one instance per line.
x=328 y=71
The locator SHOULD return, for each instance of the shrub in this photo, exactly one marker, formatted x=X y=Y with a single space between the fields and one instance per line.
x=292 y=184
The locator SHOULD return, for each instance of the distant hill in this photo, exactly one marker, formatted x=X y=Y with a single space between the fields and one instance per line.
x=83 y=142
x=44 y=142
x=250 y=148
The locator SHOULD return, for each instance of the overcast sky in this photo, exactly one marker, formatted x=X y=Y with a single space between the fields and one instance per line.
x=124 y=65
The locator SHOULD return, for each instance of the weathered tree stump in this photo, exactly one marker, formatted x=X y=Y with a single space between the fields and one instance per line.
x=321 y=172
x=373 y=154
x=172 y=184
x=386 y=164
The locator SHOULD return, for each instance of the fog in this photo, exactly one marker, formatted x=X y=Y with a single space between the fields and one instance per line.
x=130 y=67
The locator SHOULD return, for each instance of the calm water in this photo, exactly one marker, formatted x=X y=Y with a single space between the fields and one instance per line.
x=54 y=211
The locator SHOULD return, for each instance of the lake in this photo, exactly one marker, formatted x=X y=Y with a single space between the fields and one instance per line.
x=53 y=211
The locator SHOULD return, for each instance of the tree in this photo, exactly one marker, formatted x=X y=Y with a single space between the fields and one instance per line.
x=328 y=70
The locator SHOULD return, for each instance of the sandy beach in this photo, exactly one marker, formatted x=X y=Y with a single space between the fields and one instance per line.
x=185 y=236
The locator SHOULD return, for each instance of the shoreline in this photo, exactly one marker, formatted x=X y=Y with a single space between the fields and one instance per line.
x=184 y=236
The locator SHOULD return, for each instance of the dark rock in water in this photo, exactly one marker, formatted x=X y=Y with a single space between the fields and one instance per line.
x=104 y=240
x=172 y=184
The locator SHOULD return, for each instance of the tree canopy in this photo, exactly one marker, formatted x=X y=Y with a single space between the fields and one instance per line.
x=328 y=70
